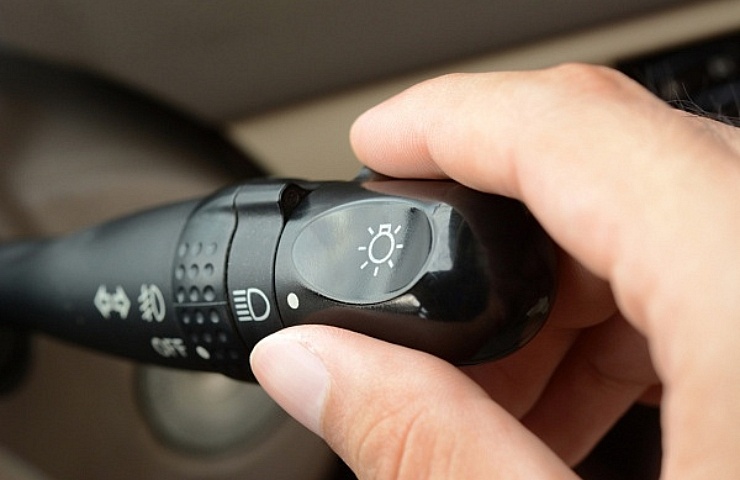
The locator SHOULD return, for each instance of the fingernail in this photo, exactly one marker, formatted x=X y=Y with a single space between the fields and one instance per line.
x=293 y=376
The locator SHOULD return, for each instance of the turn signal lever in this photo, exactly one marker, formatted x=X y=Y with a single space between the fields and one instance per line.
x=430 y=265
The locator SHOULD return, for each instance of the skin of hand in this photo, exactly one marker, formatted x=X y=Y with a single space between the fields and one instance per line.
x=644 y=202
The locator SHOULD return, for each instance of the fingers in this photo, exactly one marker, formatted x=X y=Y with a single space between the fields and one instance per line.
x=618 y=205
x=641 y=195
x=570 y=385
x=606 y=371
x=395 y=413
x=517 y=381
x=501 y=132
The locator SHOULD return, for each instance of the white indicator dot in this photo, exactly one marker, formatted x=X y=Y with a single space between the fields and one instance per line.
x=293 y=301
x=202 y=352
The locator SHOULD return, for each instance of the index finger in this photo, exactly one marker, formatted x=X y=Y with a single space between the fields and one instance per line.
x=608 y=169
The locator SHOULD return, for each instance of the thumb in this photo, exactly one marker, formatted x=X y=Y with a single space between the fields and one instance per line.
x=395 y=413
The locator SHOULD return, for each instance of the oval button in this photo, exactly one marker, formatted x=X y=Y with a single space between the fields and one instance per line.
x=365 y=252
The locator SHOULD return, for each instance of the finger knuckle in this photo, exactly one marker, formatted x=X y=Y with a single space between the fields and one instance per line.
x=589 y=78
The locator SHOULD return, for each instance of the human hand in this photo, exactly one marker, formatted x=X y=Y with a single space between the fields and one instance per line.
x=642 y=199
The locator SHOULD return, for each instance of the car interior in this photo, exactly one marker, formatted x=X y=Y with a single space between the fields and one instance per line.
x=110 y=107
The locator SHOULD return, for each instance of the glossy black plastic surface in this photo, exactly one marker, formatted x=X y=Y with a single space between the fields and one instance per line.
x=430 y=265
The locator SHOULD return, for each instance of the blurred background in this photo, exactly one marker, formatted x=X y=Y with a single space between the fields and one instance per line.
x=107 y=107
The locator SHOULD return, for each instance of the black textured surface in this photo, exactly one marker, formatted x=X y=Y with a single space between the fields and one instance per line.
x=702 y=78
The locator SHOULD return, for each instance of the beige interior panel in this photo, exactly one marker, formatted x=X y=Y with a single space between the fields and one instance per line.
x=311 y=140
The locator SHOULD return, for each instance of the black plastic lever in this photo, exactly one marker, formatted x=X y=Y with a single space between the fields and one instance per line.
x=431 y=265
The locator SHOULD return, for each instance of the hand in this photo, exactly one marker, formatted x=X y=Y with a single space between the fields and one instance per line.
x=645 y=203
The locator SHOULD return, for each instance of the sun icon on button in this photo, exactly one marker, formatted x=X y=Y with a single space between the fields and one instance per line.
x=381 y=247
